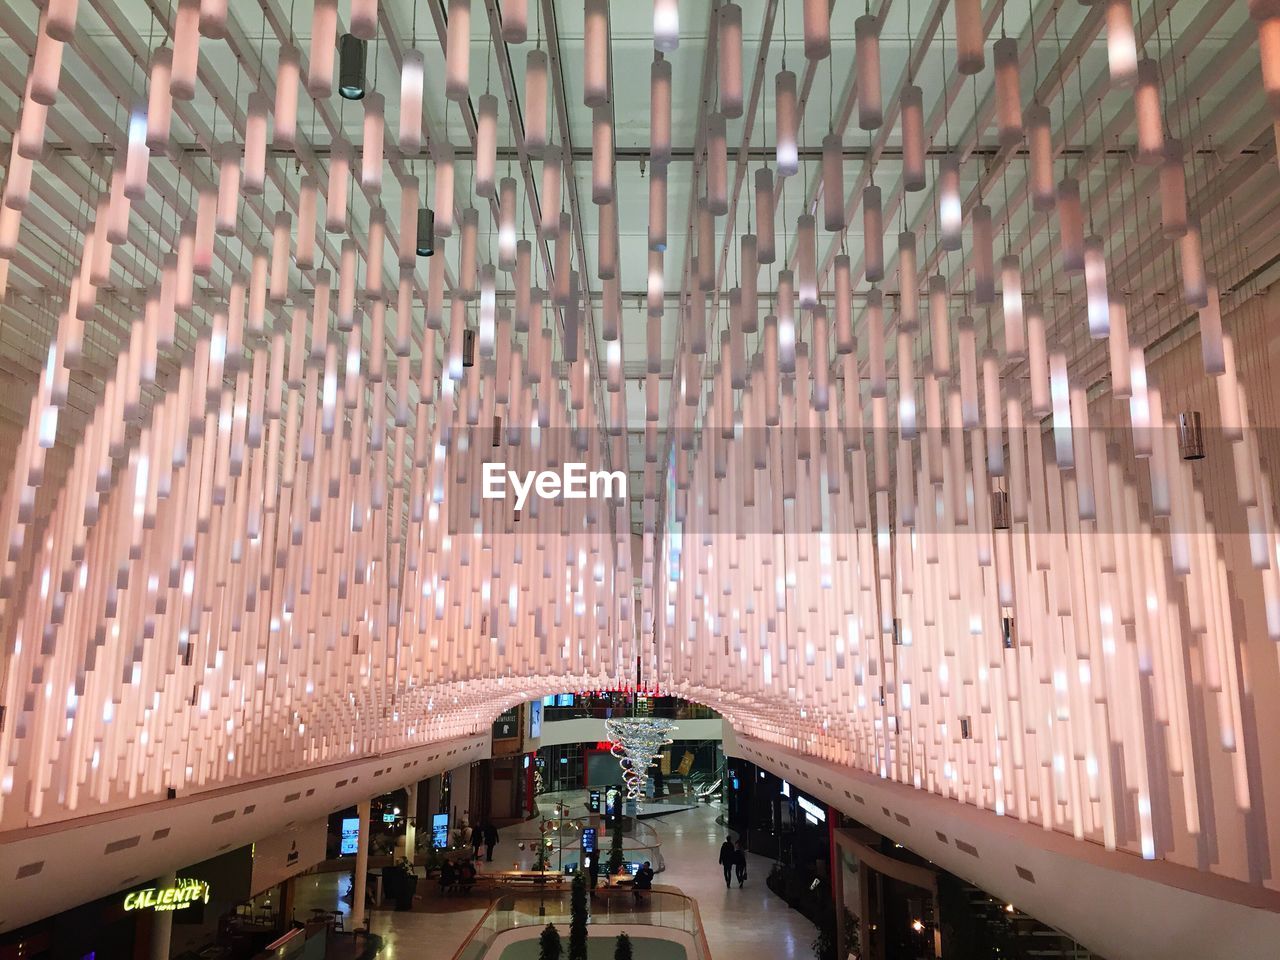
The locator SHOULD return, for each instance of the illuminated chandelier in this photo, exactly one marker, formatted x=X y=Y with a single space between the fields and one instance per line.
x=636 y=745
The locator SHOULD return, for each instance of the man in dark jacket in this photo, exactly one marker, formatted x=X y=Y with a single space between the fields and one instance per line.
x=726 y=860
x=740 y=863
x=490 y=840
x=643 y=881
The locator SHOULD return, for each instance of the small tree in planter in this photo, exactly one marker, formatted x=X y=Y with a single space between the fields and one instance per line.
x=616 y=856
x=549 y=943
x=578 y=918
x=622 y=947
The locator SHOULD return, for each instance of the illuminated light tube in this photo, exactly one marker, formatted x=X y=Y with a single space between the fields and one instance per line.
x=46 y=67
x=186 y=50
x=213 y=18
x=523 y=282
x=984 y=282
x=206 y=209
x=324 y=45
x=434 y=319
x=1038 y=361
x=457 y=58
x=159 y=100
x=806 y=261
x=1118 y=351
x=660 y=111
x=706 y=246
x=875 y=344
x=908 y=281
x=409 y=134
x=1150 y=119
x=1173 y=191
x=347 y=266
x=913 y=144
x=488 y=306
x=1269 y=54
x=31 y=129
x=817 y=29
x=784 y=119
x=254 y=175
x=118 y=209
x=832 y=183
x=607 y=241
x=442 y=153
x=950 y=214
x=717 y=171
x=550 y=193
x=666 y=25
x=1008 y=92
x=1122 y=46
x=866 y=32
x=601 y=155
x=535 y=101
x=10 y=228
x=1191 y=261
x=137 y=159
x=1095 y=282
x=729 y=60
x=1071 y=225
x=1060 y=390
x=371 y=149
x=407 y=251
x=364 y=19
x=60 y=19
x=969 y=36
x=750 y=272
x=1211 y=351
x=872 y=234
x=1011 y=299
x=335 y=212
x=906 y=387
x=281 y=234
x=507 y=224
x=595 y=53
x=786 y=306
x=486 y=146
x=562 y=258
x=515 y=21
x=377 y=240
x=1040 y=146
x=655 y=284
x=766 y=250
x=967 y=361
x=820 y=364
x=658 y=208
x=940 y=322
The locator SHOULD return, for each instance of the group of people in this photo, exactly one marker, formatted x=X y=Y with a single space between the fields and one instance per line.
x=733 y=857
x=457 y=874
x=485 y=835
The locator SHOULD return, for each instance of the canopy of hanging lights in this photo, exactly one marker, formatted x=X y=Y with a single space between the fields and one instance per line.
x=925 y=489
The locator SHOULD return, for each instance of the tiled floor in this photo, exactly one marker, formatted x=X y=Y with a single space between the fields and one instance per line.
x=746 y=924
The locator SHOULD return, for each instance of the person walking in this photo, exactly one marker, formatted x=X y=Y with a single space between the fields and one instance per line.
x=740 y=863
x=726 y=860
x=490 y=840
x=643 y=881
x=477 y=838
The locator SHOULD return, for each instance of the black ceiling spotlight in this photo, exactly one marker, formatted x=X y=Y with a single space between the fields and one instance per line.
x=352 y=52
x=468 y=347
x=426 y=231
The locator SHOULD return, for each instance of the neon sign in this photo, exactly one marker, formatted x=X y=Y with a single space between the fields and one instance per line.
x=181 y=895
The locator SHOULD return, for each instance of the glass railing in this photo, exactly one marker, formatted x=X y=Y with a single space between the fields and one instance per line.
x=658 y=908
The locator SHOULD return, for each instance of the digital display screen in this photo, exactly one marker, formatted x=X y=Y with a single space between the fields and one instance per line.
x=440 y=831
x=564 y=700
x=350 y=836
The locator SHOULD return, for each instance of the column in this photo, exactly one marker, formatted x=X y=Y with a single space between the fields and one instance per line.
x=162 y=923
x=410 y=822
x=358 y=920
x=460 y=797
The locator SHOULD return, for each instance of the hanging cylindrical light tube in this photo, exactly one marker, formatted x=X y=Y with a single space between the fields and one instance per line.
x=1038 y=361
x=817 y=29
x=1211 y=350
x=1118 y=351
x=658 y=208
x=913 y=145
x=729 y=59
x=364 y=18
x=1040 y=147
x=515 y=21
x=335 y=211
x=409 y=135
x=1150 y=119
x=407 y=249
x=371 y=151
x=875 y=344
x=601 y=155
x=806 y=261
x=159 y=100
x=535 y=101
x=950 y=214
x=1269 y=54
x=507 y=224
x=908 y=281
x=984 y=284
x=324 y=42
x=706 y=246
x=285 y=115
x=1095 y=282
x=1191 y=261
x=306 y=254
x=1008 y=95
x=666 y=25
x=486 y=145
x=750 y=266
x=906 y=387
x=488 y=307
x=872 y=233
x=1122 y=46
x=457 y=84
x=607 y=242
x=444 y=202
x=186 y=50
x=1060 y=393
x=228 y=209
x=655 y=284
x=1071 y=225
x=832 y=183
x=786 y=306
x=717 y=171
x=788 y=155
x=595 y=53
x=255 y=144
x=765 y=237
x=970 y=36
x=1173 y=191
x=31 y=128
x=550 y=192
x=1011 y=297
x=866 y=32
x=940 y=322
x=467 y=253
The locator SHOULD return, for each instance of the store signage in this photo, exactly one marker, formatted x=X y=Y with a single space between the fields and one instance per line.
x=506 y=726
x=181 y=895
x=535 y=720
x=815 y=812
x=588 y=839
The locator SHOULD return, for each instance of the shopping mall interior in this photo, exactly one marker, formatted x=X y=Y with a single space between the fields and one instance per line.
x=458 y=501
